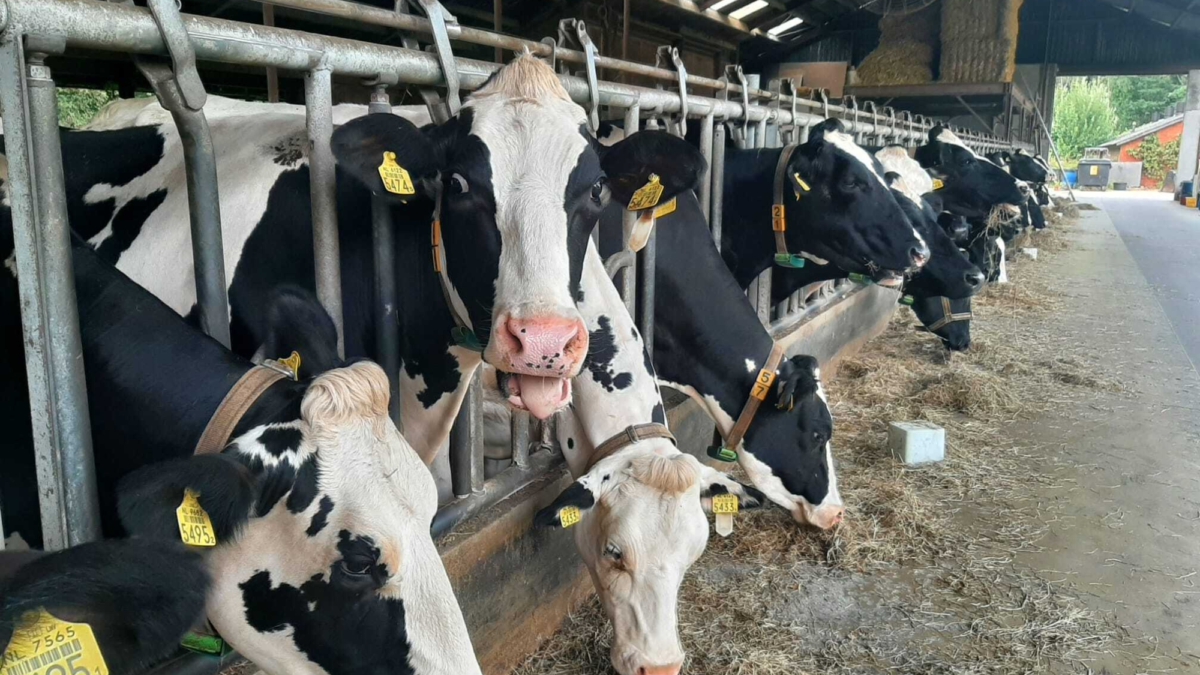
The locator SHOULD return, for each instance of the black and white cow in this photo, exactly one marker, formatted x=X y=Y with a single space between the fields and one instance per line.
x=138 y=597
x=323 y=560
x=972 y=185
x=709 y=344
x=1033 y=173
x=838 y=209
x=931 y=310
x=642 y=509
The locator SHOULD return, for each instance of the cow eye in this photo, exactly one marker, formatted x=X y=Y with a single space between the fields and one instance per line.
x=598 y=190
x=612 y=551
x=356 y=567
x=458 y=184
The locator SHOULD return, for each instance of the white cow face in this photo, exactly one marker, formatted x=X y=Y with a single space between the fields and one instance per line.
x=522 y=185
x=643 y=525
x=324 y=562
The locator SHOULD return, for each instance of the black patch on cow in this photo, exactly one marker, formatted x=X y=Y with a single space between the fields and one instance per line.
x=602 y=349
x=582 y=213
x=648 y=364
x=105 y=157
x=278 y=440
x=570 y=443
x=441 y=378
x=288 y=151
x=128 y=223
x=320 y=518
x=575 y=495
x=305 y=489
x=274 y=483
x=658 y=415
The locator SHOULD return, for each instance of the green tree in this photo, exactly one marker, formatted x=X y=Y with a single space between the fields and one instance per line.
x=77 y=107
x=1083 y=116
x=1137 y=99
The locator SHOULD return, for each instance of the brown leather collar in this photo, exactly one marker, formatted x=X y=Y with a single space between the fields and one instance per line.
x=949 y=317
x=727 y=451
x=237 y=401
x=632 y=434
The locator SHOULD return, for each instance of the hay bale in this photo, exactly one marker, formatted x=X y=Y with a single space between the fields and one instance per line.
x=980 y=40
x=906 y=51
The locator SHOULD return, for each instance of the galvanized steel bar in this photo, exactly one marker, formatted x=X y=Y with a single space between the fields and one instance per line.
x=717 y=182
x=318 y=105
x=629 y=274
x=706 y=149
x=66 y=471
x=519 y=426
x=466 y=442
x=268 y=15
x=387 y=321
x=496 y=489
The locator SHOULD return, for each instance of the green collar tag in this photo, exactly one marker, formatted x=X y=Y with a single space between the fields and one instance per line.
x=906 y=300
x=860 y=278
x=722 y=453
x=465 y=337
x=204 y=644
x=789 y=260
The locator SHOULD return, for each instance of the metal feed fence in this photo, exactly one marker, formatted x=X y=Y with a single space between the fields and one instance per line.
x=167 y=45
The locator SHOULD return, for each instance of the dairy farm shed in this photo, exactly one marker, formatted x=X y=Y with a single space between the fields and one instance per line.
x=646 y=336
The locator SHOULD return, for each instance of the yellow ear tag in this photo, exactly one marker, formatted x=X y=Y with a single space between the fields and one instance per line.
x=647 y=195
x=195 y=527
x=801 y=183
x=44 y=645
x=568 y=516
x=724 y=507
x=938 y=184
x=293 y=364
x=666 y=209
x=395 y=179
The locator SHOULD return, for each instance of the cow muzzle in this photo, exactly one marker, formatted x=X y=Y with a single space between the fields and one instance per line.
x=823 y=517
x=540 y=354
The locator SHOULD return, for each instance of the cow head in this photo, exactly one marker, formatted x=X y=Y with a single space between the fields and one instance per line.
x=839 y=208
x=1027 y=167
x=792 y=462
x=955 y=226
x=521 y=185
x=324 y=562
x=956 y=334
x=642 y=526
x=138 y=597
x=948 y=271
x=972 y=185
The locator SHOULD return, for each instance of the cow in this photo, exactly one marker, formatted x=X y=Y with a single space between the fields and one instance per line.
x=838 y=210
x=710 y=345
x=320 y=510
x=513 y=220
x=641 y=508
x=971 y=185
x=949 y=320
x=1033 y=173
x=138 y=597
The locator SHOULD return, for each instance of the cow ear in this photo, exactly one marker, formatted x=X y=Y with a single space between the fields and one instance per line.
x=713 y=483
x=365 y=145
x=296 y=322
x=798 y=378
x=935 y=202
x=576 y=499
x=147 y=499
x=935 y=132
x=139 y=597
x=818 y=132
x=629 y=164
x=890 y=177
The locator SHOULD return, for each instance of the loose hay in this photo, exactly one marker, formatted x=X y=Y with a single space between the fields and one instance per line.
x=907 y=47
x=920 y=578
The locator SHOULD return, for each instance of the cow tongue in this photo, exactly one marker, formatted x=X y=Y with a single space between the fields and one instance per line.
x=543 y=396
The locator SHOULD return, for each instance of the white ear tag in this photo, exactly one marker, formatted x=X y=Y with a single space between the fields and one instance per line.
x=639 y=233
x=724 y=507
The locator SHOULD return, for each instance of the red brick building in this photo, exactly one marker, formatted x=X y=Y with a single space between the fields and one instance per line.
x=1166 y=129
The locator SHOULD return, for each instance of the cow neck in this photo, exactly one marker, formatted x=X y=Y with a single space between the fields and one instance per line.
x=787 y=281
x=747 y=238
x=706 y=335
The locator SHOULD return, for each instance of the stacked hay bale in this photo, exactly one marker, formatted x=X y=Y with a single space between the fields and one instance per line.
x=981 y=40
x=907 y=44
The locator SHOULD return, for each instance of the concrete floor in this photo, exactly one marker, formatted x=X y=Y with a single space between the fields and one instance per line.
x=1127 y=533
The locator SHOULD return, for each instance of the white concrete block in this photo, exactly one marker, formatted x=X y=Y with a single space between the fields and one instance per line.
x=917 y=442
x=1031 y=252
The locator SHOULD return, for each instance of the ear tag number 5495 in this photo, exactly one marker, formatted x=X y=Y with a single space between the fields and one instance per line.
x=195 y=527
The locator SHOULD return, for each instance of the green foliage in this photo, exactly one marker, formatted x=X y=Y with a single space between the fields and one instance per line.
x=1137 y=99
x=1083 y=116
x=77 y=107
x=1156 y=158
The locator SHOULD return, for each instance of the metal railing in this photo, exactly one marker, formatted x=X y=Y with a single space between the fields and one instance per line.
x=32 y=29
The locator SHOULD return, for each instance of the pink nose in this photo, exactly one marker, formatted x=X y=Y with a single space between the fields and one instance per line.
x=660 y=670
x=542 y=346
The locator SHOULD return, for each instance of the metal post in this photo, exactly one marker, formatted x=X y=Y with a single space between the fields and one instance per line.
x=520 y=438
x=498 y=24
x=706 y=149
x=387 y=324
x=268 y=15
x=66 y=472
x=718 y=182
x=318 y=104
x=645 y=308
x=466 y=442
x=629 y=275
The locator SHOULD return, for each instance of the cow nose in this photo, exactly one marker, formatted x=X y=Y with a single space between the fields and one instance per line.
x=545 y=346
x=974 y=278
x=672 y=669
x=919 y=254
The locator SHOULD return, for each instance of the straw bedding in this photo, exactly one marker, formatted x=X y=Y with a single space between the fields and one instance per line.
x=907 y=47
x=920 y=578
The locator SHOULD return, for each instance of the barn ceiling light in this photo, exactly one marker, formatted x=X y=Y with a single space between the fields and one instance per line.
x=748 y=9
x=785 y=26
x=721 y=5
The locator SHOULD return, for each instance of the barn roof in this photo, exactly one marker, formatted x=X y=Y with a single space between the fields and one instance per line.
x=1144 y=130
